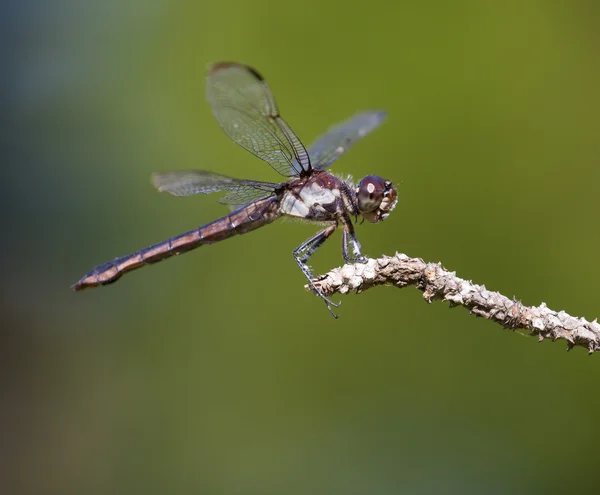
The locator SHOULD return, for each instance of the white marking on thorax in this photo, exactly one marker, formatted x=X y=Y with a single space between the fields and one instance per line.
x=314 y=193
x=293 y=206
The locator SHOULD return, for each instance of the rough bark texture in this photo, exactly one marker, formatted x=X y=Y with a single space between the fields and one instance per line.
x=438 y=283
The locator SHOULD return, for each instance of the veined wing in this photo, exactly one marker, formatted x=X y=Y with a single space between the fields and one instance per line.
x=243 y=105
x=187 y=182
x=339 y=138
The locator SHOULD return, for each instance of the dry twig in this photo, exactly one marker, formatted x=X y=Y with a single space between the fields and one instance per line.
x=438 y=283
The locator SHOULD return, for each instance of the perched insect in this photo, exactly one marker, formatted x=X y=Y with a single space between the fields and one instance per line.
x=243 y=105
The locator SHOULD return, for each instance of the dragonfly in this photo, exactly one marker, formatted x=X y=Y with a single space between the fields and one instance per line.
x=245 y=108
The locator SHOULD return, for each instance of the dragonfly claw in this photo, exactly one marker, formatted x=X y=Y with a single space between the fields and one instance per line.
x=328 y=302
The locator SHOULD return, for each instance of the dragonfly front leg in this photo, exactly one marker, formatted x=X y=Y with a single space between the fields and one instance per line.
x=303 y=252
x=350 y=237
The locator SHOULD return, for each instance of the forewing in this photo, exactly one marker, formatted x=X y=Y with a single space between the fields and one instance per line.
x=243 y=105
x=339 y=138
x=187 y=182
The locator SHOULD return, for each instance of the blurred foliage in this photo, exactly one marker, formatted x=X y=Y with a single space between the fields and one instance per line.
x=216 y=372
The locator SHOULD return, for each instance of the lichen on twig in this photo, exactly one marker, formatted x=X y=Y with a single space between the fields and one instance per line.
x=438 y=283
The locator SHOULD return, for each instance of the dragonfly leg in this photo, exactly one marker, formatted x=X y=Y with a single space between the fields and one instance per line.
x=350 y=236
x=302 y=254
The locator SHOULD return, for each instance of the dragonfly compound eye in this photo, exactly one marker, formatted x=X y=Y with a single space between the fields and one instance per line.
x=376 y=198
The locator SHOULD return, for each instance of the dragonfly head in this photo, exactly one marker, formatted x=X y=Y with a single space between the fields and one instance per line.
x=376 y=198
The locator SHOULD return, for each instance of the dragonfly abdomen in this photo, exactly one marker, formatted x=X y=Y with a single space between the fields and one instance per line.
x=239 y=222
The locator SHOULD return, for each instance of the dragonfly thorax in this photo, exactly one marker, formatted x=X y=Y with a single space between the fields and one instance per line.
x=318 y=197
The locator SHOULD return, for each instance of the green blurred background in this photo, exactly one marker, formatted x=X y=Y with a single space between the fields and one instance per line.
x=216 y=372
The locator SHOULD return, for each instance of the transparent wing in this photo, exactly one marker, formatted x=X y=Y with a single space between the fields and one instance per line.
x=339 y=138
x=187 y=182
x=243 y=105
x=242 y=196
